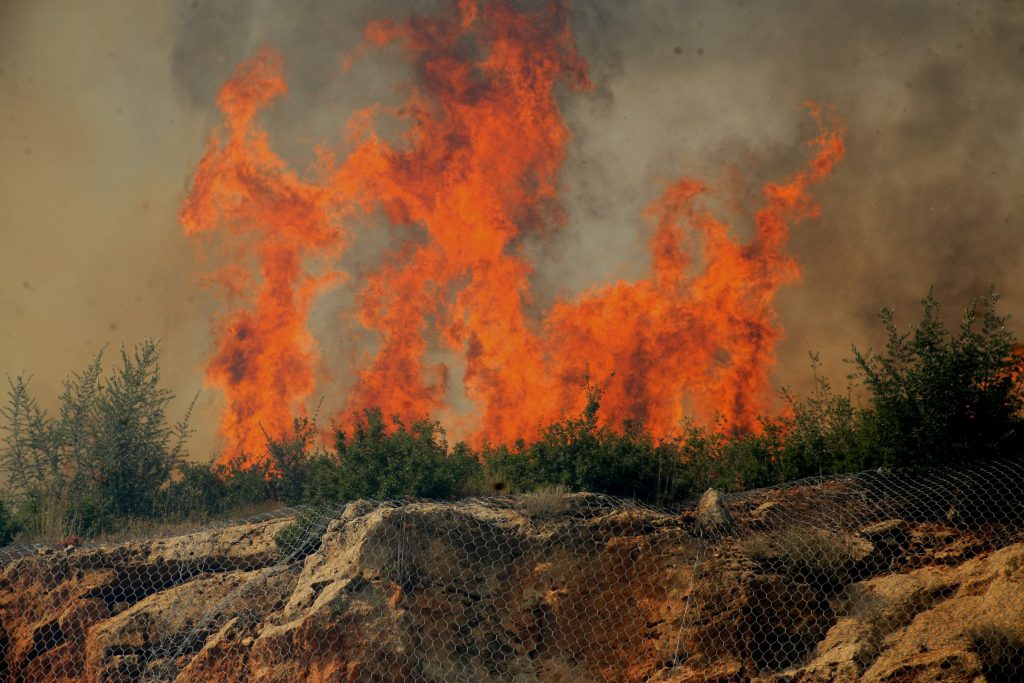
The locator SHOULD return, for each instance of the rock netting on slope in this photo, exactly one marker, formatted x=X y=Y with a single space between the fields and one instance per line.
x=831 y=580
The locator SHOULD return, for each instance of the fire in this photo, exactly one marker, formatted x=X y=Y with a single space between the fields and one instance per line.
x=476 y=170
x=708 y=337
x=265 y=359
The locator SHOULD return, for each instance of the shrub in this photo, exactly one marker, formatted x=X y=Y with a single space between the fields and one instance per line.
x=8 y=525
x=577 y=454
x=197 y=492
x=104 y=455
x=304 y=536
x=374 y=462
x=545 y=502
x=824 y=433
x=826 y=560
x=939 y=397
x=1001 y=650
x=289 y=461
x=246 y=483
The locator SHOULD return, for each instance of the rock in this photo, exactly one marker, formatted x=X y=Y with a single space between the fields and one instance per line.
x=50 y=598
x=765 y=515
x=712 y=515
x=922 y=626
x=888 y=532
x=483 y=591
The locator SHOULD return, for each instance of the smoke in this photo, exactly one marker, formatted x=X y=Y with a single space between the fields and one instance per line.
x=109 y=106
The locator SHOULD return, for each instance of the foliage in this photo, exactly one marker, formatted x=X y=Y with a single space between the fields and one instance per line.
x=289 y=459
x=302 y=537
x=8 y=525
x=413 y=461
x=107 y=452
x=940 y=397
x=196 y=492
x=578 y=454
x=825 y=433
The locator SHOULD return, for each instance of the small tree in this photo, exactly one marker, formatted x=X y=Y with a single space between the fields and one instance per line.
x=105 y=454
x=939 y=397
x=134 y=450
x=289 y=460
x=825 y=432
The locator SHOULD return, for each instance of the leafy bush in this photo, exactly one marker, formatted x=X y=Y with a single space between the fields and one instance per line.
x=289 y=461
x=106 y=454
x=377 y=463
x=824 y=433
x=8 y=525
x=304 y=536
x=939 y=397
x=196 y=493
x=246 y=483
x=577 y=454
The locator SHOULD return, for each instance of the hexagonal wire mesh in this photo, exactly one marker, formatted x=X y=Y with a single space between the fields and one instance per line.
x=876 y=576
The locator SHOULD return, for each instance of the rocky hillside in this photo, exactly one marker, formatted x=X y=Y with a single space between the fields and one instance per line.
x=542 y=587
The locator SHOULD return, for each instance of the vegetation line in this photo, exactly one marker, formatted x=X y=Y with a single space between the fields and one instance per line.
x=108 y=460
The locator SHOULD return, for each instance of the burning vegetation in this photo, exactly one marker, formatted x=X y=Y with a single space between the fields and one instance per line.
x=654 y=387
x=475 y=170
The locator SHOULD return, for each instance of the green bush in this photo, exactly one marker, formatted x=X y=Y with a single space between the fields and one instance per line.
x=105 y=455
x=939 y=397
x=197 y=492
x=109 y=455
x=246 y=483
x=376 y=462
x=304 y=536
x=289 y=461
x=578 y=454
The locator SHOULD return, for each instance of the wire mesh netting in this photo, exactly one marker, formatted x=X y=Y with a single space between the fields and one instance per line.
x=882 y=575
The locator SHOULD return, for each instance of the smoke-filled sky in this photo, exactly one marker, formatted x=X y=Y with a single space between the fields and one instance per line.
x=107 y=106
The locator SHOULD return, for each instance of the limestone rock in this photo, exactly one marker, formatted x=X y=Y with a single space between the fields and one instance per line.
x=487 y=591
x=712 y=515
x=922 y=626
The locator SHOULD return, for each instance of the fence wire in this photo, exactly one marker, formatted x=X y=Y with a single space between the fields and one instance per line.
x=880 y=576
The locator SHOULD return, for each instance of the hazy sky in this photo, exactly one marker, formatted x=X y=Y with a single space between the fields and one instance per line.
x=107 y=104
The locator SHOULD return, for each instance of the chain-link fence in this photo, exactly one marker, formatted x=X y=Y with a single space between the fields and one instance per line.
x=892 y=576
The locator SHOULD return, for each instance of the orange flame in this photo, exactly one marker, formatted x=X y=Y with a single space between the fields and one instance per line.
x=265 y=358
x=476 y=170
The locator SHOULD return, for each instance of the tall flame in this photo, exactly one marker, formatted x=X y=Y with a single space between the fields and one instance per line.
x=265 y=359
x=477 y=169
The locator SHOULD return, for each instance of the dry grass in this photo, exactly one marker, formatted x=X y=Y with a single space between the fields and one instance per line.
x=545 y=502
x=52 y=528
x=821 y=558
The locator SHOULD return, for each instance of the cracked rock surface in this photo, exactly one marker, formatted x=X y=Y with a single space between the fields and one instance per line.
x=558 y=587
